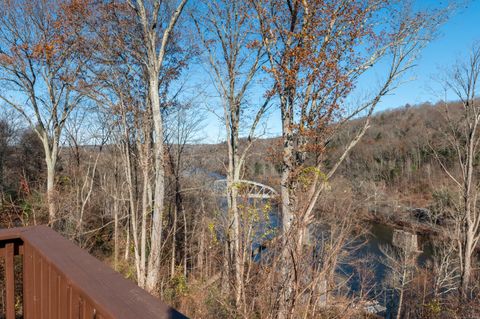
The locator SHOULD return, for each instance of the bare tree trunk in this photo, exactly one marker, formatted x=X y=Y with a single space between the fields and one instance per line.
x=400 y=303
x=52 y=210
x=402 y=291
x=185 y=242
x=467 y=263
x=84 y=198
x=233 y=217
x=143 y=235
x=233 y=76
x=158 y=199
x=51 y=154
x=174 y=242
x=286 y=192
x=151 y=17
x=468 y=197
x=201 y=249
x=132 y=206
x=226 y=269
x=126 y=257
x=115 y=236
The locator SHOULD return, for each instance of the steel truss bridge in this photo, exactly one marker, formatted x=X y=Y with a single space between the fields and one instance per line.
x=245 y=188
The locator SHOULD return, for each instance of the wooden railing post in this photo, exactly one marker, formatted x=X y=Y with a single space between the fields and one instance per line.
x=9 y=281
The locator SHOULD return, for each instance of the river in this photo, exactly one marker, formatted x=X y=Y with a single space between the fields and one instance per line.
x=368 y=248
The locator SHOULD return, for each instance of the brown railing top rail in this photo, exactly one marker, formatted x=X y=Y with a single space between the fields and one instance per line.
x=107 y=289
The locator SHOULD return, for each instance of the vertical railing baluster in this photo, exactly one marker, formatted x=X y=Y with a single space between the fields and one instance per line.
x=88 y=310
x=63 y=299
x=75 y=309
x=10 y=281
x=28 y=283
x=37 y=292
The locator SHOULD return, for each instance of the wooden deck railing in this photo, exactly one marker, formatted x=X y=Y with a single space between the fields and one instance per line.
x=62 y=281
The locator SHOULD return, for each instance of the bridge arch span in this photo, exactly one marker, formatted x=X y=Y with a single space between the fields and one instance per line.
x=251 y=188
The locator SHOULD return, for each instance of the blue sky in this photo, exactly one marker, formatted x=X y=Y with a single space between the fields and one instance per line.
x=454 y=41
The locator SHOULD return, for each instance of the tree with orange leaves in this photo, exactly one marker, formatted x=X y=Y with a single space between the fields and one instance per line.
x=317 y=51
x=40 y=70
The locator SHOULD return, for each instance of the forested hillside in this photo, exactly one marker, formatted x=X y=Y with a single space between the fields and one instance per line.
x=398 y=155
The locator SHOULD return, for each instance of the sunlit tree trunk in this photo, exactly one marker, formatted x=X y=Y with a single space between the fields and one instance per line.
x=159 y=196
x=50 y=160
x=156 y=40
x=233 y=69
x=464 y=137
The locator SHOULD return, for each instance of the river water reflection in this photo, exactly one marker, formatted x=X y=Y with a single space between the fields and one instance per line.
x=370 y=248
